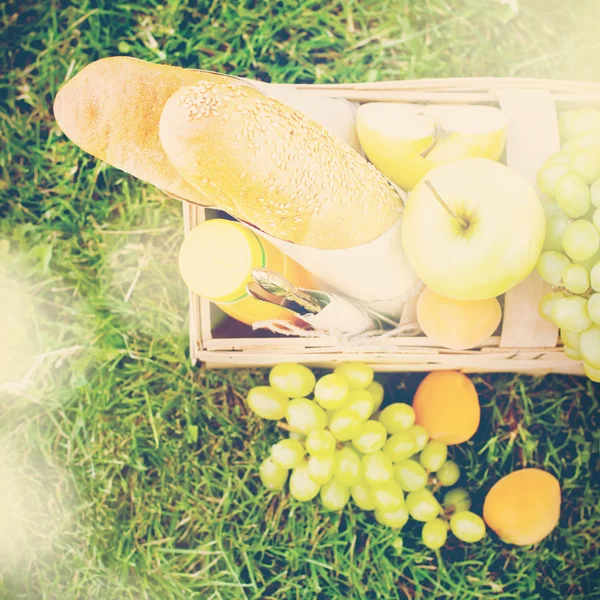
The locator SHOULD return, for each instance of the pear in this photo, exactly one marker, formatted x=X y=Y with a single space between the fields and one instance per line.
x=406 y=141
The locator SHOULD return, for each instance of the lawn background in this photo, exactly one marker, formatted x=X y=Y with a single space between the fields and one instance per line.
x=124 y=472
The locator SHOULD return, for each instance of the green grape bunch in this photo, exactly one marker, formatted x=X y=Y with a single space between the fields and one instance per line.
x=342 y=448
x=570 y=262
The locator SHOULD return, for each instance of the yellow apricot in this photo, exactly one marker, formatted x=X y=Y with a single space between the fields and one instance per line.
x=523 y=507
x=457 y=324
x=446 y=404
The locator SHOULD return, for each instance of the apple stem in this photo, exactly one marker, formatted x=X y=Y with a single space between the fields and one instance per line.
x=448 y=209
x=437 y=134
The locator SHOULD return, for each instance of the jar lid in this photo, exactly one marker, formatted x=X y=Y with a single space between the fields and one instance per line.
x=217 y=257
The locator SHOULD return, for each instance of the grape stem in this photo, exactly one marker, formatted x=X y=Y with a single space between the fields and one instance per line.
x=463 y=222
x=286 y=427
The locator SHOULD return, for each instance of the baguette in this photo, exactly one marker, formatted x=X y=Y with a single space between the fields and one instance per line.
x=273 y=167
x=111 y=109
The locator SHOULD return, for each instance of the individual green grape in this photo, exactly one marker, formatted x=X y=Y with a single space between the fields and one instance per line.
x=572 y=354
x=434 y=455
x=305 y=416
x=576 y=279
x=570 y=147
x=548 y=176
x=267 y=403
x=272 y=475
x=567 y=125
x=320 y=443
x=345 y=424
x=596 y=219
x=410 y=475
x=397 y=417
x=595 y=193
x=571 y=314
x=573 y=195
x=371 y=437
x=422 y=505
x=332 y=391
x=348 y=468
x=448 y=474
x=388 y=497
x=434 y=533
x=394 y=520
x=588 y=139
x=594 y=308
x=559 y=158
x=302 y=487
x=551 y=265
x=292 y=380
x=570 y=339
x=595 y=277
x=581 y=240
x=377 y=468
x=359 y=375
x=421 y=436
x=467 y=526
x=586 y=163
x=334 y=495
x=362 y=496
x=376 y=390
x=400 y=446
x=457 y=500
x=547 y=304
x=573 y=123
x=592 y=374
x=589 y=346
x=321 y=469
x=360 y=403
x=555 y=231
x=287 y=453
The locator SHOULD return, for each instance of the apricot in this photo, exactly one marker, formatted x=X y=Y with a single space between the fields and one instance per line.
x=457 y=324
x=446 y=404
x=523 y=507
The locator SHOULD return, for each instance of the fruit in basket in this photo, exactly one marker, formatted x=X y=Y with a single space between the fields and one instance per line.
x=573 y=123
x=571 y=262
x=457 y=324
x=389 y=465
x=581 y=240
x=473 y=229
x=406 y=141
x=523 y=507
x=446 y=404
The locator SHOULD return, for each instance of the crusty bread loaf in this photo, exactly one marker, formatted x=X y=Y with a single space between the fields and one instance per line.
x=111 y=109
x=273 y=167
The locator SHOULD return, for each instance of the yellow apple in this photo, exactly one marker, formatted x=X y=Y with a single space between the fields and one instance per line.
x=473 y=229
x=405 y=141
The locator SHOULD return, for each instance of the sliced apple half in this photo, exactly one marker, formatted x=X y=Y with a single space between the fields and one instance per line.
x=405 y=141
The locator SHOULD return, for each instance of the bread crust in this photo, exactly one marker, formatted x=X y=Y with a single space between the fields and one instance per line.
x=275 y=168
x=111 y=109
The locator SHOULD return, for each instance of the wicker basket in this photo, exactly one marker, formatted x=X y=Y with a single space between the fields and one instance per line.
x=525 y=342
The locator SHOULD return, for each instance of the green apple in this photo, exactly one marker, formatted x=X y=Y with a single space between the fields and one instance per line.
x=473 y=229
x=405 y=141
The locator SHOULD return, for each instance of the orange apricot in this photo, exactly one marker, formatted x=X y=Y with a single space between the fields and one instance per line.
x=457 y=324
x=523 y=507
x=446 y=404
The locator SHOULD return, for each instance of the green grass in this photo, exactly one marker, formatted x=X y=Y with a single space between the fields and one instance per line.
x=124 y=472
